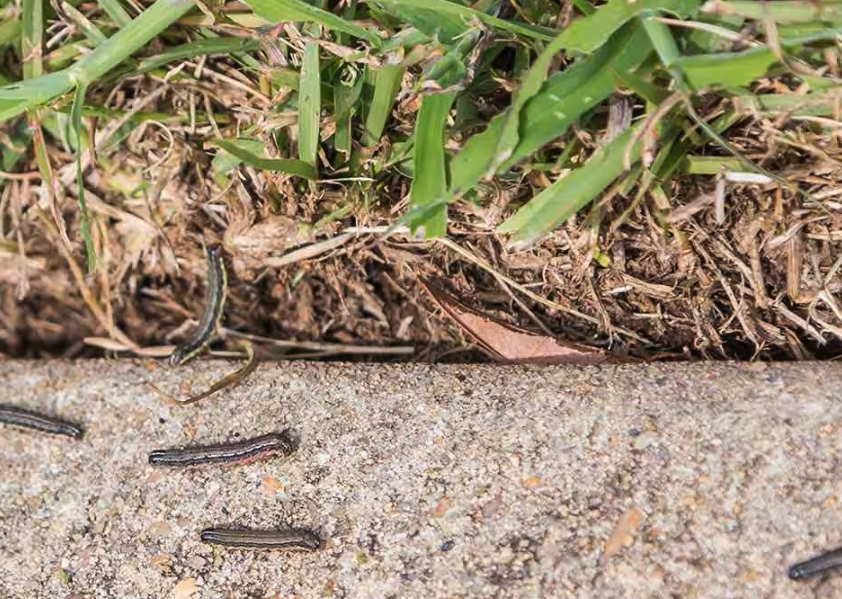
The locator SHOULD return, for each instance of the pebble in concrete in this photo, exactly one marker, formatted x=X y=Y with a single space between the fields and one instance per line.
x=637 y=481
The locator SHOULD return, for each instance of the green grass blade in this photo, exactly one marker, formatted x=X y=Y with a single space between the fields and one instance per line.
x=726 y=70
x=34 y=91
x=279 y=165
x=309 y=105
x=710 y=165
x=824 y=103
x=444 y=27
x=661 y=37
x=276 y=11
x=76 y=122
x=568 y=195
x=563 y=99
x=347 y=87
x=128 y=40
x=386 y=83
x=589 y=33
x=204 y=47
x=533 y=81
x=32 y=33
x=429 y=184
x=781 y=11
x=453 y=9
x=115 y=10
x=9 y=109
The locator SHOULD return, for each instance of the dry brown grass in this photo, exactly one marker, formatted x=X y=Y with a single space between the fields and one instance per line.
x=675 y=275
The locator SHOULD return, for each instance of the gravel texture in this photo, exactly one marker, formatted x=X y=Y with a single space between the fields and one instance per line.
x=702 y=480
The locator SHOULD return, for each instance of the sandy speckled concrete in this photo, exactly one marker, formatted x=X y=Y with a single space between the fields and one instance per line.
x=429 y=481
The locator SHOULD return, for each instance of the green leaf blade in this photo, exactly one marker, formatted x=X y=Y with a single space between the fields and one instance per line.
x=429 y=186
x=309 y=105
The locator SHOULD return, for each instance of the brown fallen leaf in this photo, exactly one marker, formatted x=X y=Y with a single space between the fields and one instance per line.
x=272 y=485
x=186 y=589
x=623 y=534
x=441 y=508
x=507 y=343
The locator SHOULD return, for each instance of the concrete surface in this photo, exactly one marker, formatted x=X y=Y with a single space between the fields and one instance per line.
x=651 y=481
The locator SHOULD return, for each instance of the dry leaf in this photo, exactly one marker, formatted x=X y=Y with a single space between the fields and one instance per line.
x=507 y=343
x=272 y=485
x=186 y=589
x=623 y=534
x=442 y=507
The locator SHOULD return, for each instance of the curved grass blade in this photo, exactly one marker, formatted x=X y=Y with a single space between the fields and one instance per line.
x=128 y=40
x=279 y=165
x=203 y=47
x=563 y=99
x=276 y=11
x=569 y=194
x=587 y=34
x=468 y=14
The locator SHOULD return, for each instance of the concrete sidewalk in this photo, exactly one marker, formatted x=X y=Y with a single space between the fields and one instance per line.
x=703 y=480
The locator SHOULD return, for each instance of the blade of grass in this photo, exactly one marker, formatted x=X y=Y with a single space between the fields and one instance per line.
x=727 y=70
x=444 y=27
x=17 y=97
x=76 y=121
x=32 y=32
x=115 y=10
x=589 y=33
x=569 y=194
x=469 y=15
x=386 y=85
x=824 y=103
x=346 y=91
x=710 y=165
x=563 y=99
x=309 y=105
x=204 y=47
x=279 y=165
x=782 y=11
x=429 y=185
x=128 y=40
x=529 y=87
x=276 y=11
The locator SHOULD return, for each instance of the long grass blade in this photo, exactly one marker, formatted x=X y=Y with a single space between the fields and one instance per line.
x=309 y=105
x=569 y=194
x=469 y=15
x=386 y=85
x=128 y=40
x=32 y=32
x=429 y=185
x=563 y=99
x=589 y=33
x=76 y=122
x=279 y=165
x=276 y=11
